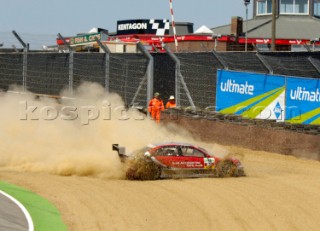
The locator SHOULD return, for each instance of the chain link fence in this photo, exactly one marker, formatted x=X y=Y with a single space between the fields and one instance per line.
x=199 y=72
x=164 y=75
x=11 y=68
x=191 y=77
x=49 y=73
x=292 y=64
x=128 y=78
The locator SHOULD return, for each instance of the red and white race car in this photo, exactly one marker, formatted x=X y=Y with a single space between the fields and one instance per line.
x=167 y=160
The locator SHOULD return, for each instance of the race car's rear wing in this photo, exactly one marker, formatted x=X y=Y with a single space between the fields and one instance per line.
x=121 y=151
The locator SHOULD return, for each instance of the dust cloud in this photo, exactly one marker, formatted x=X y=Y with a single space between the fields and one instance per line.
x=74 y=136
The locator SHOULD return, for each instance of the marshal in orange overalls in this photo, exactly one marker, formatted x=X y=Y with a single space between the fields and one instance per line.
x=155 y=107
x=171 y=103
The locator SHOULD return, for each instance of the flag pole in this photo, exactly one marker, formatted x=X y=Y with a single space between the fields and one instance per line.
x=173 y=26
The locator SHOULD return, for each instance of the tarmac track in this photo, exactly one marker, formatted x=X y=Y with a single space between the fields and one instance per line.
x=279 y=193
x=12 y=216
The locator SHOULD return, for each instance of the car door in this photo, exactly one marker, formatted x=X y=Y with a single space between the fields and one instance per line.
x=168 y=156
x=182 y=157
x=192 y=158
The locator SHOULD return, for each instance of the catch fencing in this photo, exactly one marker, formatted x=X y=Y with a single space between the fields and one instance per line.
x=50 y=73
x=191 y=77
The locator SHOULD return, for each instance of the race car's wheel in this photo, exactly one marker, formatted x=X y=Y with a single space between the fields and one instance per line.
x=241 y=172
x=226 y=168
x=143 y=169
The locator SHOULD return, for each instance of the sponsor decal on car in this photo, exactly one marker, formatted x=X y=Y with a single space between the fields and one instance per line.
x=187 y=164
x=209 y=163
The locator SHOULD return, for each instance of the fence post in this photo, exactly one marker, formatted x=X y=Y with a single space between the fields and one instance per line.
x=126 y=77
x=71 y=59
x=265 y=63
x=315 y=63
x=24 y=62
x=150 y=71
x=107 y=64
x=225 y=66
x=177 y=71
x=178 y=78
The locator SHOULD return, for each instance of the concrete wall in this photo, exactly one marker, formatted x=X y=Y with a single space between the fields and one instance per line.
x=299 y=141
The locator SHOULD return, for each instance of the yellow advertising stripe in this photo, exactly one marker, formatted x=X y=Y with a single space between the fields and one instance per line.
x=261 y=106
x=246 y=103
x=306 y=116
x=316 y=121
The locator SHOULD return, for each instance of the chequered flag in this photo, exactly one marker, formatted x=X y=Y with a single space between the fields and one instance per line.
x=161 y=26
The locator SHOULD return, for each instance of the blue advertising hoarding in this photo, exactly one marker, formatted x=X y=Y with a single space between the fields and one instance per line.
x=303 y=100
x=251 y=95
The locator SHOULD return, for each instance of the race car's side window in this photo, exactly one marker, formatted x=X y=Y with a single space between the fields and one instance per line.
x=190 y=151
x=167 y=151
x=159 y=152
x=197 y=153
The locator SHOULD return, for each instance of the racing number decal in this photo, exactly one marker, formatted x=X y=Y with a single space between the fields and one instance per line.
x=208 y=163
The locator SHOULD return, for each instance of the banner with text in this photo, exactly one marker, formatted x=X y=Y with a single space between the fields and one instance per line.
x=158 y=27
x=303 y=100
x=251 y=95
